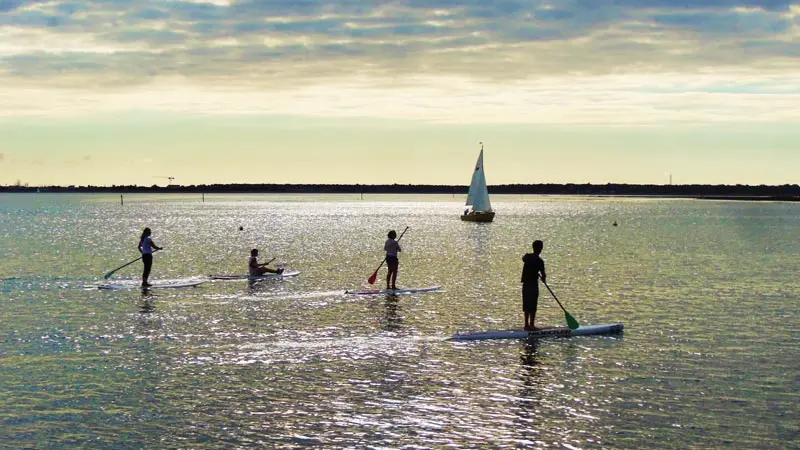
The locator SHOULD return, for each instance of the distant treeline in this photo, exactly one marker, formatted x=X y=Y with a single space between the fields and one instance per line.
x=782 y=192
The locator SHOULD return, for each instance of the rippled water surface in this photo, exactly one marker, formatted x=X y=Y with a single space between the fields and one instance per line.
x=708 y=292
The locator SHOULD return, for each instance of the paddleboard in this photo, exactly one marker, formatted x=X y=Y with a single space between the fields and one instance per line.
x=586 y=330
x=392 y=291
x=266 y=276
x=154 y=286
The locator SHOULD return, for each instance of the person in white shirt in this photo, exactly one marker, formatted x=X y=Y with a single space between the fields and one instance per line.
x=392 y=247
x=146 y=248
x=255 y=269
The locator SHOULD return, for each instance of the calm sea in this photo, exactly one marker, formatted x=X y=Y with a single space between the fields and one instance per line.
x=708 y=292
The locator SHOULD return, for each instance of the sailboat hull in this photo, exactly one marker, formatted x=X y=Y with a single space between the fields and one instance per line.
x=478 y=216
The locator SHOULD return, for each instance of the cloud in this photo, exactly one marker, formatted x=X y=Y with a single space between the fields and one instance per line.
x=757 y=23
x=598 y=100
x=258 y=46
x=148 y=37
x=774 y=5
x=9 y=5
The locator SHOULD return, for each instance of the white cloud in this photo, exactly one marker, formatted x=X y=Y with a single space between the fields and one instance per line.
x=608 y=100
x=536 y=62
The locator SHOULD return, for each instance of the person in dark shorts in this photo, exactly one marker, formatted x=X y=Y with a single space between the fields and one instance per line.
x=146 y=248
x=392 y=247
x=532 y=266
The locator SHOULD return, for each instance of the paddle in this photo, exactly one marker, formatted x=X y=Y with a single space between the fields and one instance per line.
x=374 y=276
x=267 y=263
x=571 y=322
x=111 y=272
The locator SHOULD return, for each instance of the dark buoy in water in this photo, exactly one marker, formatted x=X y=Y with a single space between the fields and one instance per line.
x=241 y=228
x=615 y=223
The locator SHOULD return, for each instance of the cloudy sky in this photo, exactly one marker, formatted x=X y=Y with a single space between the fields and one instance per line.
x=366 y=91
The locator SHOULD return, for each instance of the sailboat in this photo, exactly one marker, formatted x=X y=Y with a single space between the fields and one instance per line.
x=478 y=195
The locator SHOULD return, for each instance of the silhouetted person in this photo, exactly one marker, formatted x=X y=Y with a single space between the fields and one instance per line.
x=146 y=248
x=255 y=269
x=392 y=247
x=533 y=265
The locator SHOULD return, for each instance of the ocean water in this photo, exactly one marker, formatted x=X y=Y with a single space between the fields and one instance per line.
x=708 y=292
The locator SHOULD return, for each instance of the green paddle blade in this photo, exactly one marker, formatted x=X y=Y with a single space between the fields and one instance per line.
x=571 y=322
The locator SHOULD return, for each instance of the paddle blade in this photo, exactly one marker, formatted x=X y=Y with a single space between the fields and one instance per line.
x=571 y=322
x=108 y=274
x=372 y=278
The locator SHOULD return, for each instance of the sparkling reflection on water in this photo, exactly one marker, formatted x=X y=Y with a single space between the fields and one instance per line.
x=707 y=290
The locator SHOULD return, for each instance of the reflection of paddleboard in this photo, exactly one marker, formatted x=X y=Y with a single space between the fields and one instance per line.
x=587 y=330
x=393 y=291
x=155 y=286
x=266 y=276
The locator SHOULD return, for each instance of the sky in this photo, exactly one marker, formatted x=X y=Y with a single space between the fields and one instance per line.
x=117 y=92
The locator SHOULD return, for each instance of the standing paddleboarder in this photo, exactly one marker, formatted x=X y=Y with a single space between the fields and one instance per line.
x=392 y=247
x=146 y=248
x=532 y=266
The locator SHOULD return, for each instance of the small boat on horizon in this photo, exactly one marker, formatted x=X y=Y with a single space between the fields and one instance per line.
x=478 y=195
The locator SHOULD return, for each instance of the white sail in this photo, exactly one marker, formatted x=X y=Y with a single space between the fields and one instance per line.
x=478 y=195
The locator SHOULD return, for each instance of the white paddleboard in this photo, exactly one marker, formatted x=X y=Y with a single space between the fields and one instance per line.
x=586 y=330
x=154 y=286
x=266 y=276
x=393 y=291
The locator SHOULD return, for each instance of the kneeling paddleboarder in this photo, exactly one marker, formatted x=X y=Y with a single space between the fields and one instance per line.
x=255 y=269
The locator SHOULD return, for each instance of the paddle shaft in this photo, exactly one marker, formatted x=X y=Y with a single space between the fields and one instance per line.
x=267 y=263
x=109 y=273
x=374 y=276
x=553 y=294
x=571 y=322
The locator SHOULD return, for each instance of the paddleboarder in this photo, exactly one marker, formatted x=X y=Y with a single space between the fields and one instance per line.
x=392 y=247
x=532 y=266
x=146 y=248
x=255 y=269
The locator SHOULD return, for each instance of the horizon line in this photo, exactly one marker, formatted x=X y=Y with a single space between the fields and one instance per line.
x=465 y=186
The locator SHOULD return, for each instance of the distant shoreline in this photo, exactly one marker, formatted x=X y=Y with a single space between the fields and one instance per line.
x=788 y=192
